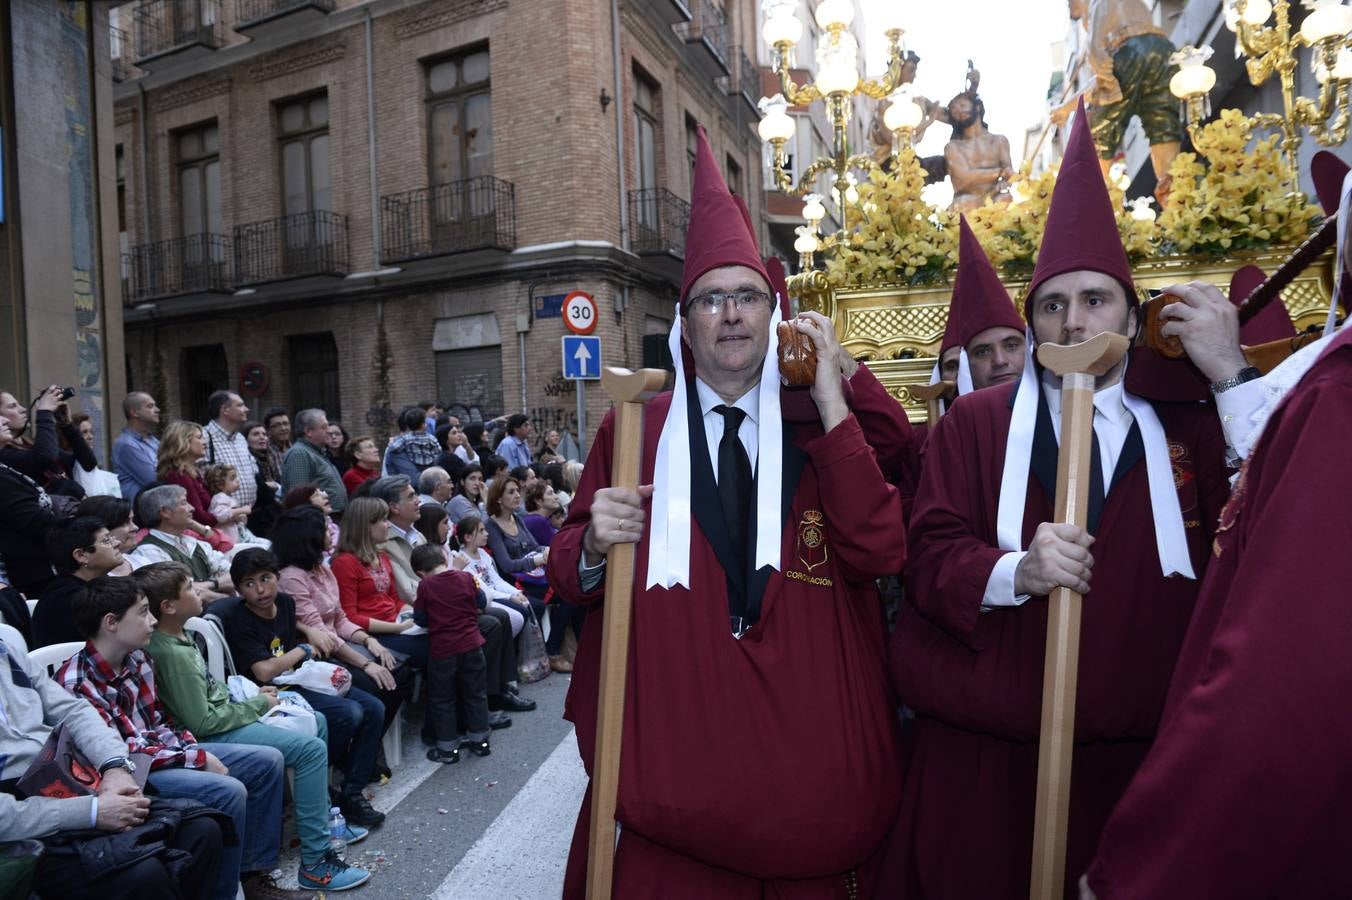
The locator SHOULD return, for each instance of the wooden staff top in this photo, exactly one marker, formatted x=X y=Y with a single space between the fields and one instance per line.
x=1092 y=357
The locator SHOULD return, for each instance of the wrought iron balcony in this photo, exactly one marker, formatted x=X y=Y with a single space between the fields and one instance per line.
x=165 y=27
x=119 y=49
x=259 y=17
x=657 y=221
x=707 y=35
x=198 y=263
x=474 y=214
x=669 y=12
x=296 y=246
x=749 y=86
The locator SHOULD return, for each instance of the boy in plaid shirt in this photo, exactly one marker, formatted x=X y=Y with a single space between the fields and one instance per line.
x=114 y=674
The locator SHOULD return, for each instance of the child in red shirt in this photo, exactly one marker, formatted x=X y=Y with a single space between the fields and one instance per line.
x=448 y=604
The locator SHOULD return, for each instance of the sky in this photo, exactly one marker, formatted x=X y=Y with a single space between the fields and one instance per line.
x=1009 y=43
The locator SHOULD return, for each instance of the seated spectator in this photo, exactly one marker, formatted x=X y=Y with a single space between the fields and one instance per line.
x=469 y=495
x=313 y=495
x=266 y=640
x=434 y=524
x=514 y=447
x=572 y=474
x=434 y=486
x=366 y=587
x=32 y=706
x=80 y=550
x=335 y=448
x=223 y=482
x=449 y=602
x=553 y=473
x=27 y=513
x=136 y=450
x=278 y=425
x=164 y=510
x=454 y=442
x=256 y=434
x=113 y=673
x=557 y=518
x=42 y=459
x=494 y=467
x=402 y=502
x=180 y=450
x=300 y=543
x=540 y=501
x=413 y=449
x=365 y=457
x=267 y=488
x=549 y=450
x=524 y=475
x=515 y=550
x=473 y=538
x=203 y=706
x=476 y=442
x=115 y=515
x=97 y=482
x=305 y=462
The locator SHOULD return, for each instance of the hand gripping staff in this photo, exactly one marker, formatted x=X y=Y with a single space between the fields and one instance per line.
x=1077 y=365
x=629 y=390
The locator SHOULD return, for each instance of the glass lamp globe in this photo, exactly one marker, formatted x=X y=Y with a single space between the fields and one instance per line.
x=806 y=242
x=1192 y=81
x=813 y=208
x=777 y=124
x=834 y=13
x=1256 y=12
x=783 y=28
x=1327 y=20
x=838 y=64
x=903 y=113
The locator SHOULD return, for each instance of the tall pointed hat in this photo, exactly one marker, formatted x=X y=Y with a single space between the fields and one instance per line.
x=980 y=300
x=1081 y=228
x=720 y=234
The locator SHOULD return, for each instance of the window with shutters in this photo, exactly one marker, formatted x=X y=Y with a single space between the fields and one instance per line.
x=198 y=259
x=303 y=145
x=460 y=147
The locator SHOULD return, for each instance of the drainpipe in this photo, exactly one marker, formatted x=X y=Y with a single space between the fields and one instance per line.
x=619 y=123
x=144 y=165
x=371 y=141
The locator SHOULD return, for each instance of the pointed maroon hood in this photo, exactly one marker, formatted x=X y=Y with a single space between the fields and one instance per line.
x=719 y=233
x=980 y=300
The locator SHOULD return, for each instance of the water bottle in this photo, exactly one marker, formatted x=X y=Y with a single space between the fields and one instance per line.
x=337 y=828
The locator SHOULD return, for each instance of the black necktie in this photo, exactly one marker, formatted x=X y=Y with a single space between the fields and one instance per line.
x=734 y=478
x=1097 y=494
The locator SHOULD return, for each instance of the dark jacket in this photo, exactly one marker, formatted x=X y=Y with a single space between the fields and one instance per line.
x=100 y=854
x=45 y=459
x=26 y=515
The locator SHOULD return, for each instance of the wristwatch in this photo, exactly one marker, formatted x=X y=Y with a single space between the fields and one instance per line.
x=118 y=762
x=1246 y=374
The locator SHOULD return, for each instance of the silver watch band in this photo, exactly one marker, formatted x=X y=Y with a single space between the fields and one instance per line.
x=1246 y=374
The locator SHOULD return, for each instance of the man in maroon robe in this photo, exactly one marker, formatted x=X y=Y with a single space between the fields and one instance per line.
x=760 y=736
x=984 y=339
x=1245 y=793
x=969 y=649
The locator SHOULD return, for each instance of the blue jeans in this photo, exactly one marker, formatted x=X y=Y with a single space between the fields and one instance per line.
x=356 y=723
x=251 y=795
x=309 y=758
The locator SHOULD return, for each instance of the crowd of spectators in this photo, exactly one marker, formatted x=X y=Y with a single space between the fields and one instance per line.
x=418 y=555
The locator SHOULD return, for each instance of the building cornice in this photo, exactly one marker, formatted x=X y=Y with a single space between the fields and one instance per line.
x=284 y=62
x=190 y=93
x=448 y=12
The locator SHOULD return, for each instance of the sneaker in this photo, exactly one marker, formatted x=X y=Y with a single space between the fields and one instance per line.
x=354 y=834
x=357 y=810
x=331 y=874
x=261 y=886
x=499 y=720
x=449 y=757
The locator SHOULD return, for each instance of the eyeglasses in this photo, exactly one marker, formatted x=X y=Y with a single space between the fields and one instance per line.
x=711 y=303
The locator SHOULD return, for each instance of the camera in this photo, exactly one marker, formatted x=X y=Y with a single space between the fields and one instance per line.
x=67 y=393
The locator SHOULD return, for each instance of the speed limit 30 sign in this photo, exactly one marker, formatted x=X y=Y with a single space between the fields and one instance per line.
x=579 y=312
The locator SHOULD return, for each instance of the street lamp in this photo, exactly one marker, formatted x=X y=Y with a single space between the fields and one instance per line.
x=834 y=82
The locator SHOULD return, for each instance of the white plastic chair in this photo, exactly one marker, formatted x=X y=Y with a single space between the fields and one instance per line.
x=11 y=636
x=219 y=662
x=53 y=656
x=393 y=741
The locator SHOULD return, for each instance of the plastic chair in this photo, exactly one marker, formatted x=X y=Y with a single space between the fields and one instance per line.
x=12 y=636
x=219 y=662
x=51 y=657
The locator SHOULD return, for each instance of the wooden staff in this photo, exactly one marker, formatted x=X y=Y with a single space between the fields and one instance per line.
x=933 y=394
x=629 y=390
x=1078 y=366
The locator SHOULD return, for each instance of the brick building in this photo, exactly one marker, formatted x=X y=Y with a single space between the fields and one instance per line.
x=358 y=205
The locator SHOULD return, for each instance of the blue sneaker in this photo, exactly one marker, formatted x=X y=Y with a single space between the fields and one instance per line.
x=331 y=874
x=354 y=834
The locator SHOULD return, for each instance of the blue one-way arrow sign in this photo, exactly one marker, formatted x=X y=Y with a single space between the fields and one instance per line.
x=581 y=357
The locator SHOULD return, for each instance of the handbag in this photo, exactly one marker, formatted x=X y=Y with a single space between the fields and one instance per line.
x=532 y=661
x=60 y=771
x=320 y=677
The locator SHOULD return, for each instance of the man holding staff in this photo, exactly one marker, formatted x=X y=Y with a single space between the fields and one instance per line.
x=969 y=649
x=759 y=736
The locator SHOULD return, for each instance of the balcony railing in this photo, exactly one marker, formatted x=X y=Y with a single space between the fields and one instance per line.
x=748 y=79
x=658 y=220
x=119 y=49
x=709 y=29
x=474 y=214
x=312 y=243
x=164 y=26
x=253 y=12
x=189 y=265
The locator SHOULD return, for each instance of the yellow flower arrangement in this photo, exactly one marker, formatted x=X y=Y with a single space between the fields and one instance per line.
x=1241 y=201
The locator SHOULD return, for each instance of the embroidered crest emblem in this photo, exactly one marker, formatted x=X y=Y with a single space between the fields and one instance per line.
x=812 y=539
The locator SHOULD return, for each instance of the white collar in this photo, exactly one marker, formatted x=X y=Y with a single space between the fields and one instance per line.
x=747 y=403
x=179 y=540
x=1109 y=402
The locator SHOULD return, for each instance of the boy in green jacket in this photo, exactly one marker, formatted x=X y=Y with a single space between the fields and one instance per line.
x=203 y=706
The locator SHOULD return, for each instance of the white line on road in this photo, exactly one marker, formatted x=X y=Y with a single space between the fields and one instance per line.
x=523 y=853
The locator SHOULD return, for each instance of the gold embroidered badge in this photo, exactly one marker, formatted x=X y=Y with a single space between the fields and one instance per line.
x=812 y=539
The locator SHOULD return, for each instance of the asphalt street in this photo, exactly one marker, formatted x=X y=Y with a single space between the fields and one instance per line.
x=493 y=827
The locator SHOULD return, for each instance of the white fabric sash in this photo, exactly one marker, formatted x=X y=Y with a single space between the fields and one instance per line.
x=669 y=540
x=1338 y=262
x=1170 y=537
x=964 y=381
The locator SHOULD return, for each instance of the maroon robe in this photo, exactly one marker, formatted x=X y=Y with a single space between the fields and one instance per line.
x=975 y=678
x=895 y=441
x=764 y=767
x=1247 y=791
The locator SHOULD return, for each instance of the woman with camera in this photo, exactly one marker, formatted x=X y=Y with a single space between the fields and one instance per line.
x=42 y=458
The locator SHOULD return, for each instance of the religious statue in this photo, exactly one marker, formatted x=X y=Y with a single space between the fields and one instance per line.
x=978 y=162
x=1128 y=55
x=879 y=134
